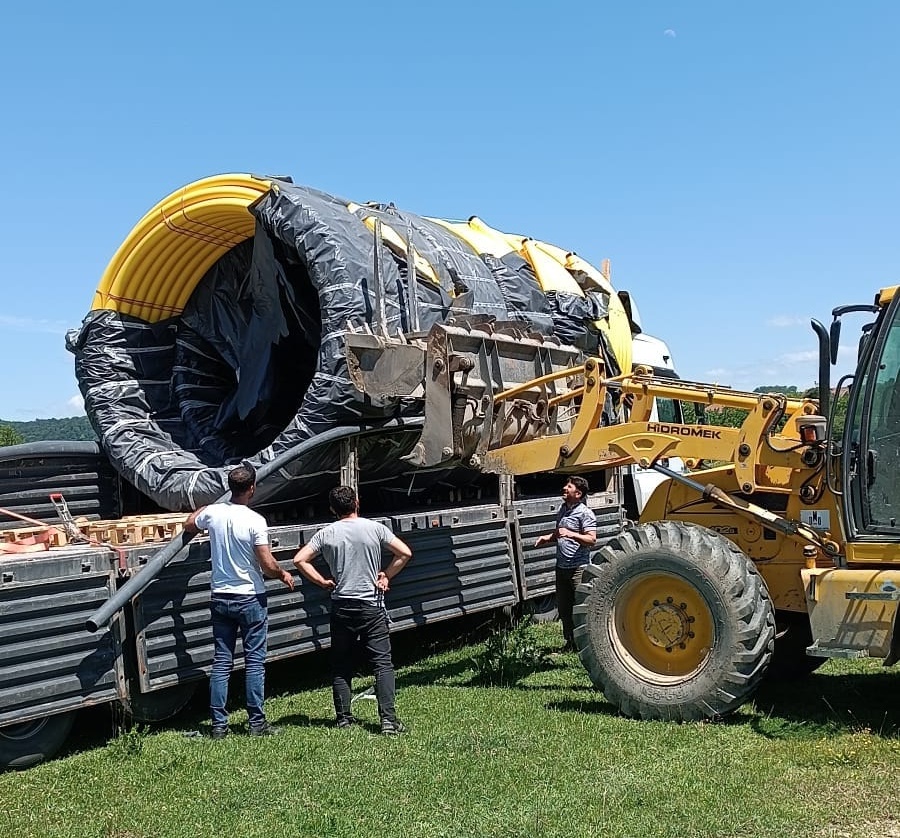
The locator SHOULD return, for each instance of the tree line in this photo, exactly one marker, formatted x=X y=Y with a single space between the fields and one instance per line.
x=733 y=417
x=70 y=428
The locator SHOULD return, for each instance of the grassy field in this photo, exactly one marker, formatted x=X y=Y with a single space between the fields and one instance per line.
x=544 y=757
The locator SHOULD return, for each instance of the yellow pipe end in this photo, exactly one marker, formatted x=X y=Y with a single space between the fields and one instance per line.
x=155 y=270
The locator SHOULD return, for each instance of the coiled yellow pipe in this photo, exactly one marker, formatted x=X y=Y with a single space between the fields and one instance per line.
x=156 y=269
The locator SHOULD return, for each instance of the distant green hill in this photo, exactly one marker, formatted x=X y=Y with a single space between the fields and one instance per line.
x=72 y=427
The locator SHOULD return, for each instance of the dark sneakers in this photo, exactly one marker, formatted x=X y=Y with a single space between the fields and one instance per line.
x=392 y=728
x=345 y=722
x=218 y=733
x=265 y=729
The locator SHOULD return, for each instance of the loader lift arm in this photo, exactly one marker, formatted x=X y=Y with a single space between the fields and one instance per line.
x=475 y=413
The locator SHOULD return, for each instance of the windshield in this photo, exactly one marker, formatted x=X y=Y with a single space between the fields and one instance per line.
x=873 y=433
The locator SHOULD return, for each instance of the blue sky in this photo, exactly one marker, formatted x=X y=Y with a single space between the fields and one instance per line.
x=738 y=163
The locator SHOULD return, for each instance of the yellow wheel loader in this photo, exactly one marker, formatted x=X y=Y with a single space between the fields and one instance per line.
x=780 y=548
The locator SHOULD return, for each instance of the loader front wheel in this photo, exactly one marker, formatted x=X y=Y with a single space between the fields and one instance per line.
x=674 y=623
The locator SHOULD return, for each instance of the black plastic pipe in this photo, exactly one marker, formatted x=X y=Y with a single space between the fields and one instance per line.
x=49 y=448
x=154 y=566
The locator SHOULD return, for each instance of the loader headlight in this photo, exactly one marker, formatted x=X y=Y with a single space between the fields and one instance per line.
x=812 y=429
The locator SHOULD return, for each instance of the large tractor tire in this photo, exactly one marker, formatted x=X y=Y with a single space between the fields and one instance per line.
x=675 y=623
x=28 y=743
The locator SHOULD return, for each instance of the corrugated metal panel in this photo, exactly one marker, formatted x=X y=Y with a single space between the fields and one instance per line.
x=49 y=662
x=461 y=564
x=85 y=480
x=537 y=517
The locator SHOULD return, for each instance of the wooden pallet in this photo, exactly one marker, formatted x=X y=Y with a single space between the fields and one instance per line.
x=135 y=529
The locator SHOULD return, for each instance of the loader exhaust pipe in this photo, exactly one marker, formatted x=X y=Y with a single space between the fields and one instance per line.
x=825 y=354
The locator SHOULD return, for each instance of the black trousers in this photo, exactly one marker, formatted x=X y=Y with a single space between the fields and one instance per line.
x=356 y=622
x=567 y=580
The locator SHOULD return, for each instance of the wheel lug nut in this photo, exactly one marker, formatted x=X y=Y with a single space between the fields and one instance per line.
x=683 y=606
x=681 y=646
x=656 y=603
x=669 y=600
x=691 y=634
x=690 y=619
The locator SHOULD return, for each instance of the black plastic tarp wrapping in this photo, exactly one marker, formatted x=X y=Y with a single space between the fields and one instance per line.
x=255 y=362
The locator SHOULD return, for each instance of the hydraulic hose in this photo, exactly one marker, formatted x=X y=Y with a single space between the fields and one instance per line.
x=154 y=566
x=713 y=493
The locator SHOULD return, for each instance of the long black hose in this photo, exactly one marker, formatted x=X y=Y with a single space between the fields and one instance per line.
x=49 y=448
x=159 y=560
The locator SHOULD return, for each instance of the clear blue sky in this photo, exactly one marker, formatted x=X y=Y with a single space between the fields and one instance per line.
x=738 y=163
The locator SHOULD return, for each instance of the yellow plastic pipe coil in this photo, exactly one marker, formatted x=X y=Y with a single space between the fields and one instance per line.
x=156 y=269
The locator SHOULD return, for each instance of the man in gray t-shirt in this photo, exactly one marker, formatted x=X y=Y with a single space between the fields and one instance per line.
x=352 y=547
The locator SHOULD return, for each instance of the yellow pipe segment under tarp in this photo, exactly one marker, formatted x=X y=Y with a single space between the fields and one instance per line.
x=156 y=269
x=556 y=270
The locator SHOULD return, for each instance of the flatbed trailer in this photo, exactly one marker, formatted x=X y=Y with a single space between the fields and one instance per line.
x=469 y=556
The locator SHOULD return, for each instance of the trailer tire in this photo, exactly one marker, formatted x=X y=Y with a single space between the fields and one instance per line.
x=543 y=609
x=28 y=743
x=159 y=705
x=675 y=623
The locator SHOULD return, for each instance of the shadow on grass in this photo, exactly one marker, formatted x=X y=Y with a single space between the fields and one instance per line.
x=824 y=704
x=302 y=720
x=595 y=707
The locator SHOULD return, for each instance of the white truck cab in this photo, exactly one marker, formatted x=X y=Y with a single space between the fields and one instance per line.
x=649 y=351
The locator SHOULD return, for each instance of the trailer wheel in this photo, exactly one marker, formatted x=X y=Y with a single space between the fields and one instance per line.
x=542 y=609
x=28 y=743
x=158 y=705
x=675 y=623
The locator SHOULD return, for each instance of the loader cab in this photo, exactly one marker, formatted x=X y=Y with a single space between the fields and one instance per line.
x=870 y=453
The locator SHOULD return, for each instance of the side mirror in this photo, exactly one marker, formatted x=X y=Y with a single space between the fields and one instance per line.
x=834 y=339
x=634 y=317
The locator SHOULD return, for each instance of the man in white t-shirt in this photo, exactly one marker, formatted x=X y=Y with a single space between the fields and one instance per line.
x=241 y=558
x=352 y=548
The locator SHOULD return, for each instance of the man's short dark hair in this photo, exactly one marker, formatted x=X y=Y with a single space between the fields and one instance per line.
x=241 y=480
x=342 y=500
x=581 y=484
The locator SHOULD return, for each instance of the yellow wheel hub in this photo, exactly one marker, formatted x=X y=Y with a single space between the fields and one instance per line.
x=662 y=626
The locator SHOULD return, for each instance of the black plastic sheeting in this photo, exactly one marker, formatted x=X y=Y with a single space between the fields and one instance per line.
x=255 y=362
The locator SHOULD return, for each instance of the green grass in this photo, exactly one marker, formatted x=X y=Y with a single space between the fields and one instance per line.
x=546 y=756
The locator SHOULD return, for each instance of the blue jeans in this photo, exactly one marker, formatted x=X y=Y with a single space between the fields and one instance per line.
x=248 y=614
x=356 y=622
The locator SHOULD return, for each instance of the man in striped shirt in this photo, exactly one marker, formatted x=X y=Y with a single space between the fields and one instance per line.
x=575 y=534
